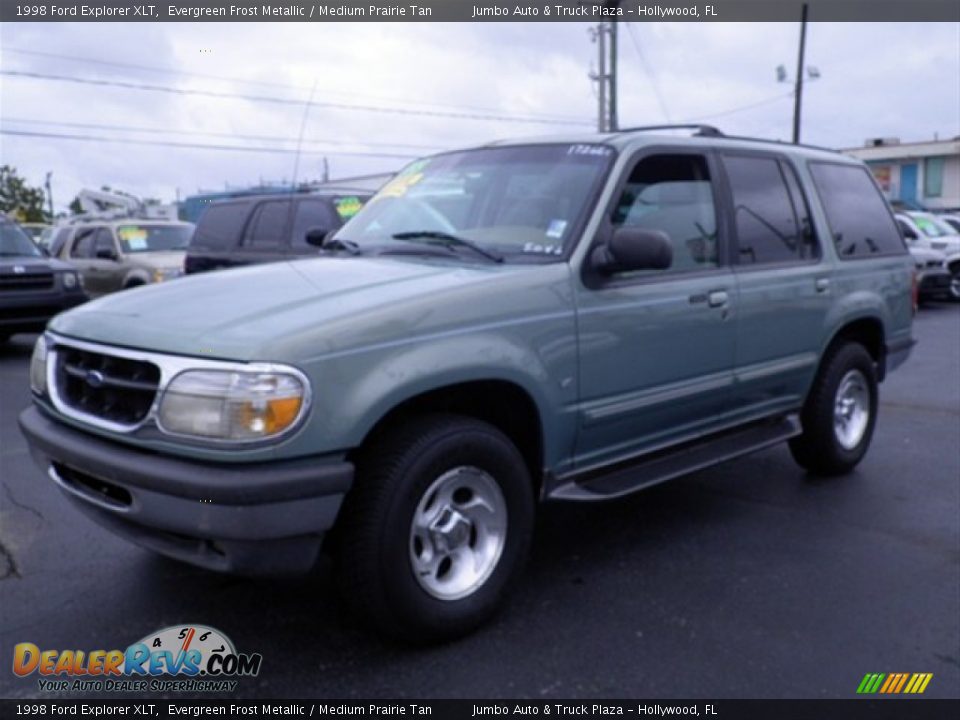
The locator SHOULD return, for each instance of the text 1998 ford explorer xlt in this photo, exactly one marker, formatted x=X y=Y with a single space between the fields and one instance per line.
x=572 y=318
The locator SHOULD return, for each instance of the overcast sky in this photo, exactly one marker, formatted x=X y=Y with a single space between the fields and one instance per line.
x=877 y=80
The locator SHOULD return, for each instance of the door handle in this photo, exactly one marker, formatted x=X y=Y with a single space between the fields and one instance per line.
x=822 y=284
x=717 y=298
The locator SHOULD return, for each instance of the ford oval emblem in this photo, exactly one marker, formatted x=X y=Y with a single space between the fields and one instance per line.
x=94 y=378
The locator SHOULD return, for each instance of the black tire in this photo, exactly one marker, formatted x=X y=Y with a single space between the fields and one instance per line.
x=819 y=449
x=954 y=293
x=373 y=543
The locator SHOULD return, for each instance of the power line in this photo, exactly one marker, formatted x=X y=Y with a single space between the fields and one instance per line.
x=200 y=146
x=732 y=111
x=200 y=133
x=279 y=100
x=649 y=70
x=535 y=117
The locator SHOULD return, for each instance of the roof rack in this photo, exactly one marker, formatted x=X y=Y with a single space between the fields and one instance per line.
x=705 y=130
x=711 y=131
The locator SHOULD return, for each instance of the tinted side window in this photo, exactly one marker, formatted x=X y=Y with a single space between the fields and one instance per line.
x=266 y=230
x=220 y=226
x=103 y=240
x=809 y=247
x=768 y=226
x=673 y=194
x=83 y=243
x=312 y=214
x=906 y=230
x=858 y=216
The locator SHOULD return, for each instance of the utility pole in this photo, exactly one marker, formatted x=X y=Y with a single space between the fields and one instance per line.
x=326 y=170
x=798 y=92
x=49 y=194
x=612 y=122
x=606 y=75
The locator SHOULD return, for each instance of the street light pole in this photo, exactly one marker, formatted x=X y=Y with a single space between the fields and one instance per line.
x=798 y=91
x=49 y=195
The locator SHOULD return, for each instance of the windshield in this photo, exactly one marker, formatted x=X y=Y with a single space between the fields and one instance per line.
x=518 y=201
x=154 y=238
x=14 y=242
x=929 y=227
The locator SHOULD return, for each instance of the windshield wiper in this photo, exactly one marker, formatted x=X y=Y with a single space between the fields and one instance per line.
x=342 y=244
x=449 y=241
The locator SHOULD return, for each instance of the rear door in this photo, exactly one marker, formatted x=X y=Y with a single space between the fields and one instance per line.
x=216 y=241
x=266 y=237
x=80 y=253
x=783 y=284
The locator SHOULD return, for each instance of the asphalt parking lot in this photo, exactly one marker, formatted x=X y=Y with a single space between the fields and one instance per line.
x=745 y=580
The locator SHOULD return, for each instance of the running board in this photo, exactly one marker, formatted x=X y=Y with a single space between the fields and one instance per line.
x=625 y=478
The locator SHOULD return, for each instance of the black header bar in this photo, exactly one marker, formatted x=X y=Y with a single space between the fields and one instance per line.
x=479 y=11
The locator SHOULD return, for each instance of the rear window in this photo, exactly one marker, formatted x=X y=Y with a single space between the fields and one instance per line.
x=860 y=223
x=220 y=226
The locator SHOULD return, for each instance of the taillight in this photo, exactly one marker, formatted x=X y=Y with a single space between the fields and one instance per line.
x=914 y=292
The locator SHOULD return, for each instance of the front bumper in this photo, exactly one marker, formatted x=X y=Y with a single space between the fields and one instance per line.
x=253 y=518
x=29 y=311
x=934 y=282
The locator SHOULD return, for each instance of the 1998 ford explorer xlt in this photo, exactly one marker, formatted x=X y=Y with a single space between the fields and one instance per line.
x=573 y=318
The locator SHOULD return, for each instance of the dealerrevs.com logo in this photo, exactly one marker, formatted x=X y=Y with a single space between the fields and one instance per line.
x=180 y=658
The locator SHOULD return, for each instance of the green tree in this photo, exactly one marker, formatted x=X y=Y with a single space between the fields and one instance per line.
x=19 y=200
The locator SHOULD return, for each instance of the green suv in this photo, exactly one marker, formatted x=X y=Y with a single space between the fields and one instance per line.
x=573 y=318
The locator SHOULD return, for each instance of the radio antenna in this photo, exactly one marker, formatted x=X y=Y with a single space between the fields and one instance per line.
x=296 y=158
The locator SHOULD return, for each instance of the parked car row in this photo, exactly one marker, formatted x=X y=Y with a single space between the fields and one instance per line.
x=935 y=246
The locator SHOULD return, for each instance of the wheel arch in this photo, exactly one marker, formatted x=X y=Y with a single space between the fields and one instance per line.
x=867 y=330
x=502 y=403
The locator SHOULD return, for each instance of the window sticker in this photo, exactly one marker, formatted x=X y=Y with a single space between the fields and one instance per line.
x=543 y=248
x=347 y=207
x=399 y=186
x=556 y=228
x=135 y=237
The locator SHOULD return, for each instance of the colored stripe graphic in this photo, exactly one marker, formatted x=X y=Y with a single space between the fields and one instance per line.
x=894 y=683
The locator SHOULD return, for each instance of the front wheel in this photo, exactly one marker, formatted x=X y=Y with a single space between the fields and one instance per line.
x=436 y=528
x=840 y=413
x=955 y=287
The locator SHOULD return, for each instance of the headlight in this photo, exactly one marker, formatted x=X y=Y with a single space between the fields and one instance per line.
x=38 y=367
x=231 y=405
x=69 y=280
x=161 y=274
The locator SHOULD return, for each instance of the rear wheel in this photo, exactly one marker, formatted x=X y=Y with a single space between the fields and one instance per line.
x=436 y=528
x=840 y=413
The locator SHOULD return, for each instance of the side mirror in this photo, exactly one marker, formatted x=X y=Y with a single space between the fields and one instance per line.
x=634 y=249
x=106 y=254
x=315 y=236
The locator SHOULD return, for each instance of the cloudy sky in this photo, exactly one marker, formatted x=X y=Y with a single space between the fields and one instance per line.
x=384 y=92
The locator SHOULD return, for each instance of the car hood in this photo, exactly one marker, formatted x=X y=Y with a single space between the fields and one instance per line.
x=288 y=311
x=157 y=260
x=32 y=264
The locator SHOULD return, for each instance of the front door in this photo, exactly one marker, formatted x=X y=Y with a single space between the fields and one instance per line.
x=657 y=347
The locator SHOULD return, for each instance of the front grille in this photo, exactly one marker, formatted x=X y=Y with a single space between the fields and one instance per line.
x=112 y=388
x=26 y=281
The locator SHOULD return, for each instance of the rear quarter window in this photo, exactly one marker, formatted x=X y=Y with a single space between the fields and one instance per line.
x=220 y=226
x=860 y=222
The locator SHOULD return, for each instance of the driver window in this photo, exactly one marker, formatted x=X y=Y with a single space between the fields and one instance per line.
x=673 y=194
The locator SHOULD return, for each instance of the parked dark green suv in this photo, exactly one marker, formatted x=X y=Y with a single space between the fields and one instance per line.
x=574 y=318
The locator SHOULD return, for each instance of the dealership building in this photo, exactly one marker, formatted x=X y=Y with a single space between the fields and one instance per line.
x=918 y=174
